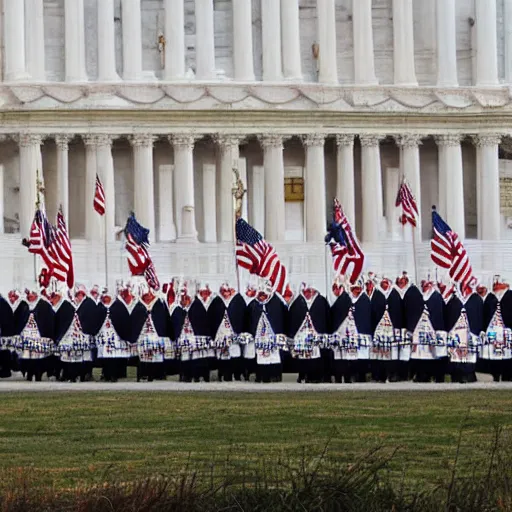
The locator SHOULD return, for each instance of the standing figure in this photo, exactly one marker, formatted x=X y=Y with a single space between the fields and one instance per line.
x=247 y=340
x=340 y=330
x=464 y=321
x=308 y=327
x=37 y=322
x=267 y=325
x=227 y=320
x=9 y=340
x=171 y=363
x=149 y=324
x=496 y=351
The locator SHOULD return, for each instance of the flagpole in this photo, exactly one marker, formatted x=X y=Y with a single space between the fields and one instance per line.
x=106 y=251
x=238 y=192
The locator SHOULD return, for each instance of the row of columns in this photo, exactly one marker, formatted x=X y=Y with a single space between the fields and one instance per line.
x=176 y=184
x=281 y=41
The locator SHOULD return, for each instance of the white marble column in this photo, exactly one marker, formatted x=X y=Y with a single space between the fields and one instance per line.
x=507 y=25
x=403 y=43
x=205 y=40
x=243 y=65
x=106 y=42
x=30 y=149
x=174 y=68
x=62 y=143
x=105 y=164
x=410 y=166
x=75 y=40
x=314 y=188
x=451 y=176
x=257 y=196
x=143 y=181
x=93 y=221
x=210 y=203
x=132 y=40
x=371 y=177
x=2 y=209
x=446 y=44
x=326 y=30
x=229 y=153
x=274 y=187
x=290 y=33
x=14 y=41
x=364 y=63
x=488 y=186
x=345 y=185
x=392 y=185
x=34 y=24
x=184 y=197
x=271 y=40
x=486 y=43
x=167 y=227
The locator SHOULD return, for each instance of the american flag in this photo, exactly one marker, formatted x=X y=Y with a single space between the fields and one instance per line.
x=137 y=247
x=43 y=241
x=407 y=201
x=63 y=247
x=99 y=197
x=345 y=247
x=447 y=251
x=257 y=256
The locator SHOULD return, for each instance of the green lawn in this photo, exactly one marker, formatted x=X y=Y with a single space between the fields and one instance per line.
x=70 y=438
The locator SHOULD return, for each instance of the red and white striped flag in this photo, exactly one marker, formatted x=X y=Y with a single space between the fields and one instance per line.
x=257 y=256
x=447 y=251
x=407 y=201
x=345 y=247
x=99 y=197
x=63 y=248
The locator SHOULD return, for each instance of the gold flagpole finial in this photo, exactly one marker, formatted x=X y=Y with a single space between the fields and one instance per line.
x=238 y=193
x=39 y=189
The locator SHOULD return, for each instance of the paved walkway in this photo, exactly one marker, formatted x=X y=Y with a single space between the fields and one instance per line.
x=18 y=385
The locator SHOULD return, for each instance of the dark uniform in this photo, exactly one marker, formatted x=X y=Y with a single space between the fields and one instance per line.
x=308 y=329
x=227 y=317
x=267 y=325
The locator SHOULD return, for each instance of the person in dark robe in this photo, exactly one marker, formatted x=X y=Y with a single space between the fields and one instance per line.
x=37 y=331
x=288 y=362
x=203 y=355
x=387 y=331
x=428 y=335
x=171 y=362
x=8 y=333
x=496 y=351
x=227 y=321
x=411 y=303
x=111 y=339
x=338 y=314
x=247 y=340
x=267 y=325
x=149 y=328
x=362 y=310
x=463 y=344
x=308 y=326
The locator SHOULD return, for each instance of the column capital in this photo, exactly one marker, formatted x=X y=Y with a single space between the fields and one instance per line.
x=487 y=139
x=104 y=139
x=409 y=140
x=345 y=140
x=313 y=139
x=227 y=140
x=370 y=140
x=271 y=140
x=449 y=139
x=90 y=140
x=29 y=139
x=142 y=140
x=62 y=141
x=183 y=140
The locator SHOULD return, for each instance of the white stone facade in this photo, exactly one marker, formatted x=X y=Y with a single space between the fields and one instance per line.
x=347 y=94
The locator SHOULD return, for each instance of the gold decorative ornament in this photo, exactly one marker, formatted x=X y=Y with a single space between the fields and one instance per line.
x=238 y=192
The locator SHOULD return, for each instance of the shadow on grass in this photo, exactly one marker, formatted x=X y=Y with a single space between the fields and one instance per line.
x=305 y=483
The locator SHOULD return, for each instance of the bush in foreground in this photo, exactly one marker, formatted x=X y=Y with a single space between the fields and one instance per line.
x=316 y=484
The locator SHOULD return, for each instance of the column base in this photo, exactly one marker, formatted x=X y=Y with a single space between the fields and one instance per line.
x=187 y=239
x=21 y=76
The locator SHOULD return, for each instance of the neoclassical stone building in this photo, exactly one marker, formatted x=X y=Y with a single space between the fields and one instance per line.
x=310 y=99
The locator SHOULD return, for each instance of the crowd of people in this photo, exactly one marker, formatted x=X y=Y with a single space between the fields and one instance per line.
x=376 y=330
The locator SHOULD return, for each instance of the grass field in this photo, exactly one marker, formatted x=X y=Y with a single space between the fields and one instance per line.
x=83 y=438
